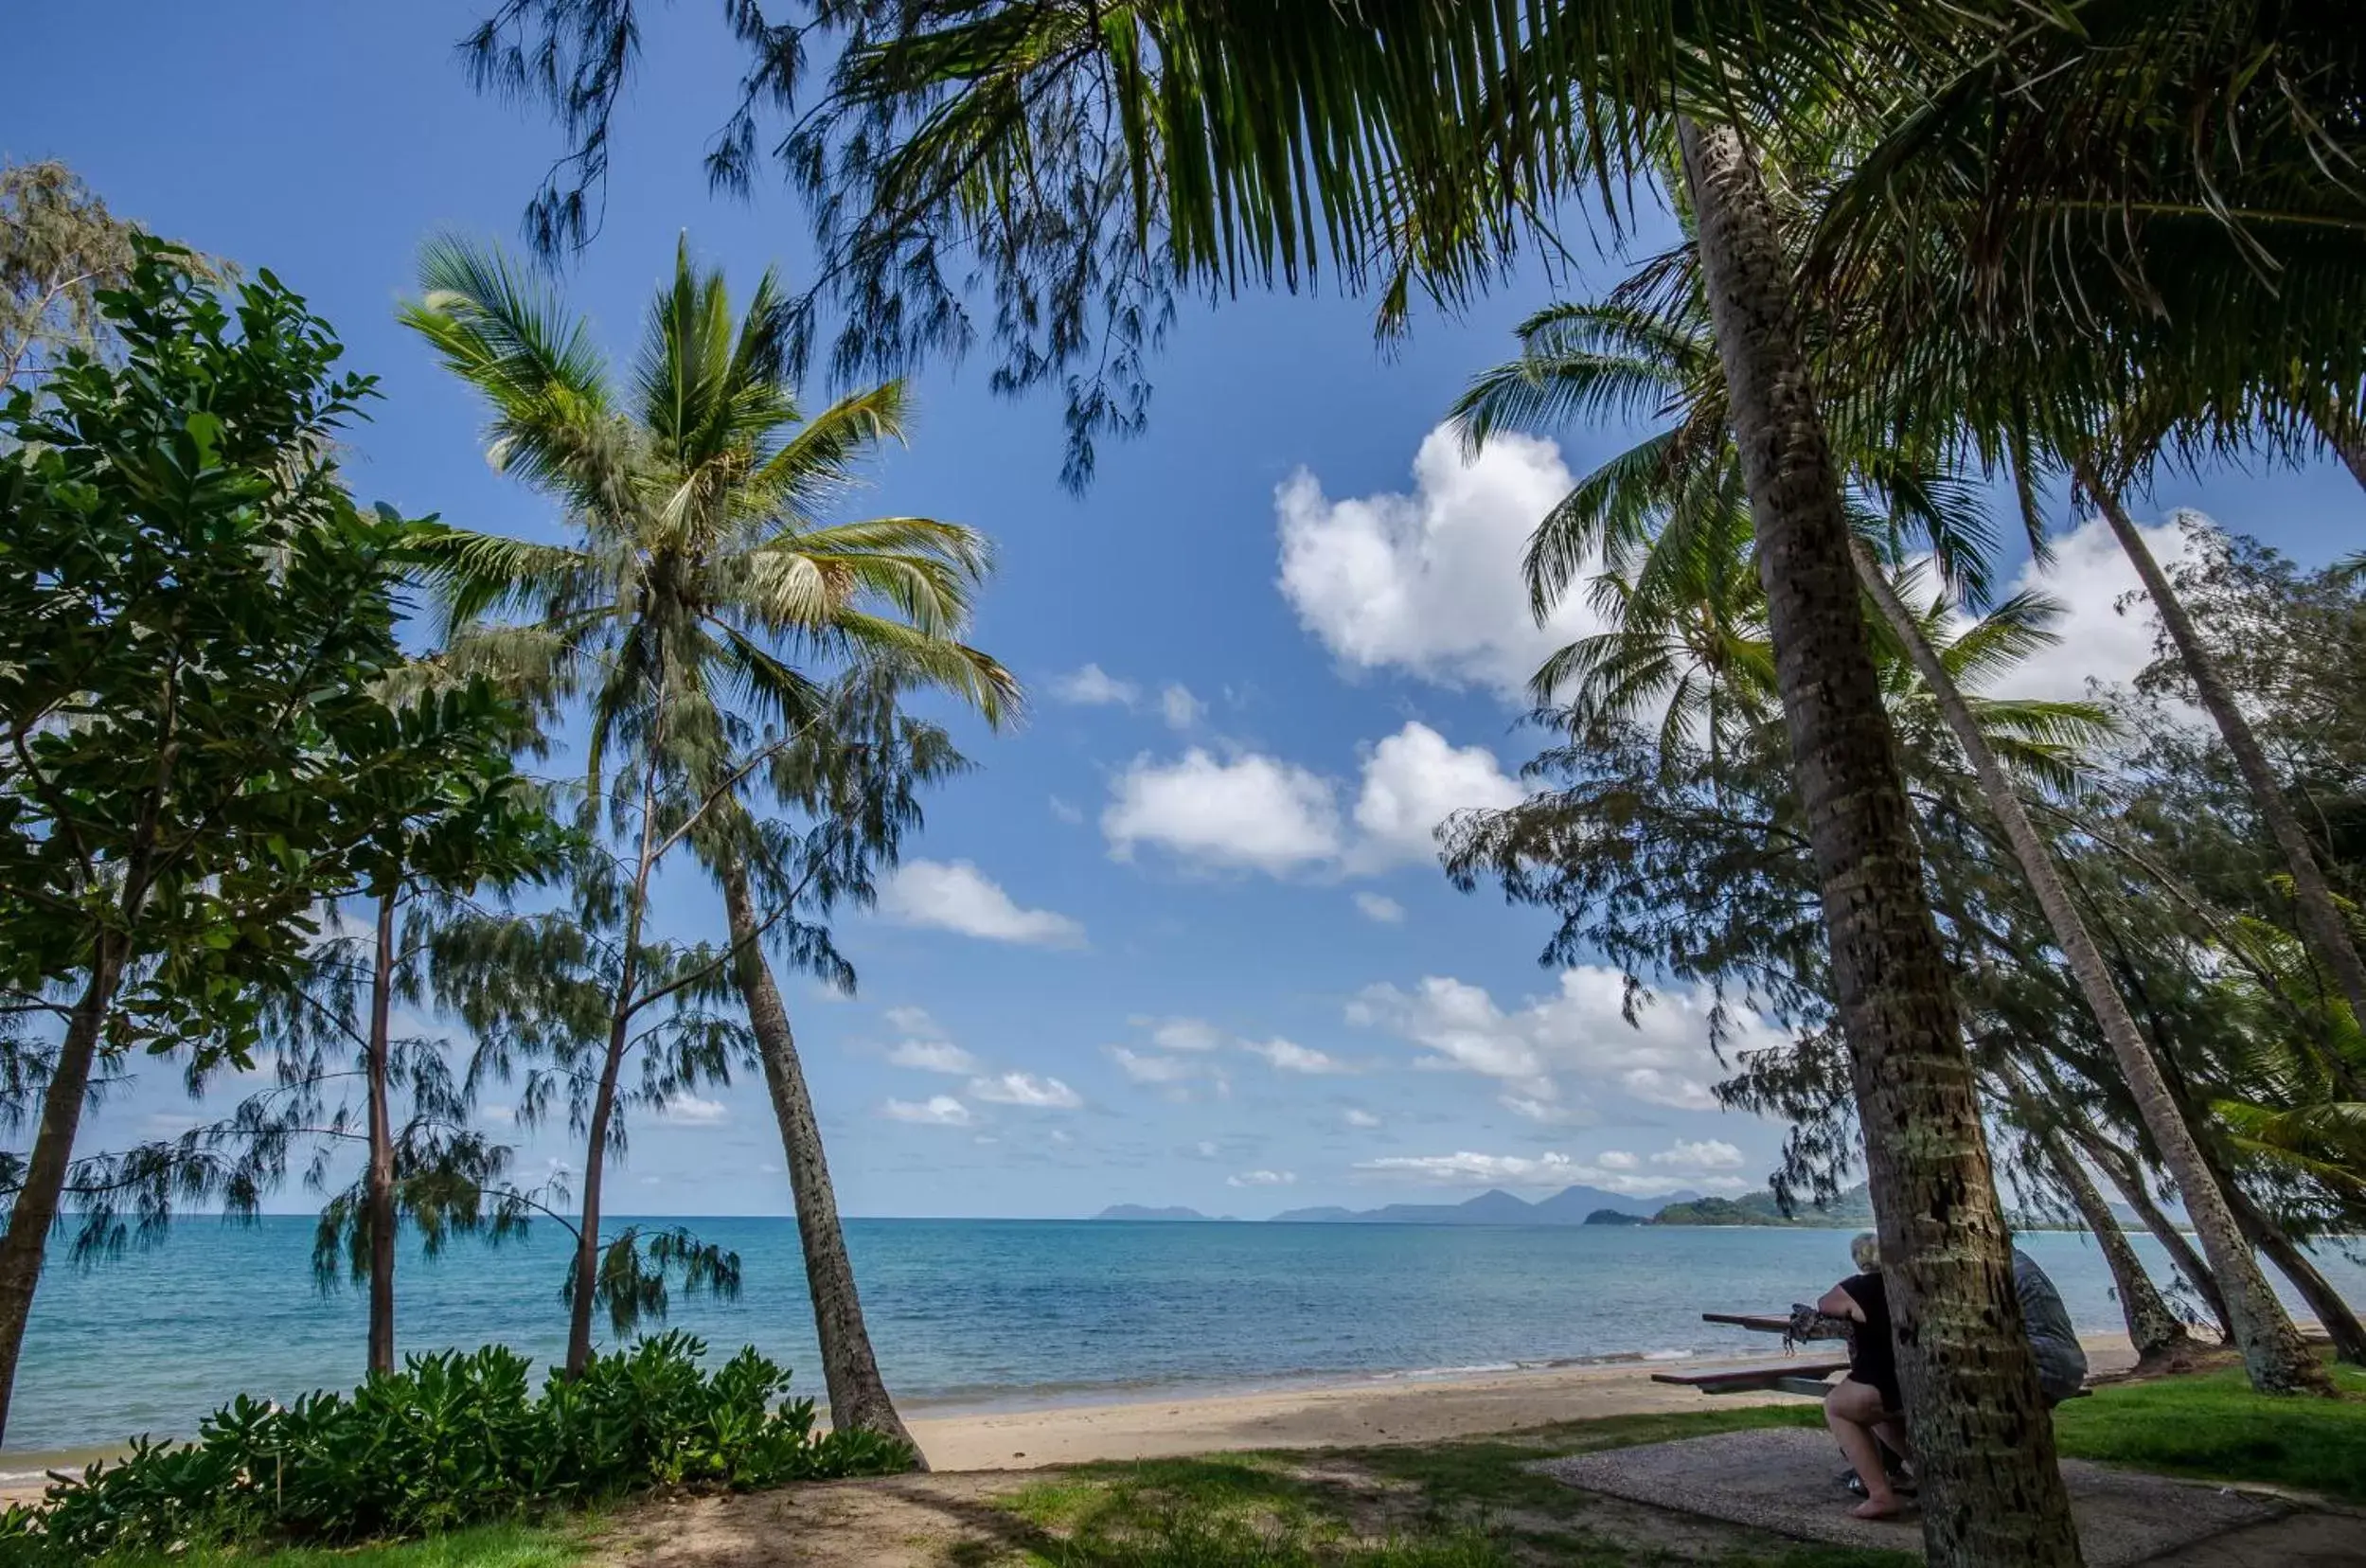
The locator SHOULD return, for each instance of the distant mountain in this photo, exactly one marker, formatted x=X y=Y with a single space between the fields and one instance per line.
x=1569 y=1207
x=1851 y=1210
x=1615 y=1216
x=1136 y=1212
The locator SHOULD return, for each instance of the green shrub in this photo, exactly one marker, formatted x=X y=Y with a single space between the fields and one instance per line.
x=451 y=1439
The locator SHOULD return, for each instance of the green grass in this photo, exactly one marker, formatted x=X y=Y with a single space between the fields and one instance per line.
x=486 y=1546
x=2212 y=1426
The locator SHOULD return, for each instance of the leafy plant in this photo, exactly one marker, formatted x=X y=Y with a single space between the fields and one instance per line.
x=453 y=1439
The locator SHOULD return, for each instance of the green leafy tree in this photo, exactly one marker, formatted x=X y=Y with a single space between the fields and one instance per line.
x=696 y=590
x=194 y=619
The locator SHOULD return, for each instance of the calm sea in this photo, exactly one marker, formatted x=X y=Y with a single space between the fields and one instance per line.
x=969 y=1313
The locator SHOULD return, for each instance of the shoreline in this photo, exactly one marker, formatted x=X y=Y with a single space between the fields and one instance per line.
x=1365 y=1409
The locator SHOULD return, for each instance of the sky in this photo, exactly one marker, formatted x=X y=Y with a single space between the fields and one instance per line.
x=1179 y=939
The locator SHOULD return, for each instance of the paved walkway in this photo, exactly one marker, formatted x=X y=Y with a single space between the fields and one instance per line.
x=1788 y=1480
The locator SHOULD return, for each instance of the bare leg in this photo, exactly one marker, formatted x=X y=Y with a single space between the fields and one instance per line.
x=1852 y=1409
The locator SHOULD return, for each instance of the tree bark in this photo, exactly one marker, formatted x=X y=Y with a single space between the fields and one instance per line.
x=857 y=1396
x=2333 y=1314
x=594 y=1166
x=35 y=1213
x=378 y=1196
x=2343 y=438
x=2274 y=1354
x=1992 y=1492
x=2153 y=1329
x=2115 y=1164
x=2320 y=919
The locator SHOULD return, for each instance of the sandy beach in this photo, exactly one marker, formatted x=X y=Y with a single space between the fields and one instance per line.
x=1345 y=1414
x=1364 y=1412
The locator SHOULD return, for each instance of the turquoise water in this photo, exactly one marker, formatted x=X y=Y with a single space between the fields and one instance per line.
x=969 y=1313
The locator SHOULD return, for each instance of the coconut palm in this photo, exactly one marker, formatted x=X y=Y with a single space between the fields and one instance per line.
x=1630 y=357
x=696 y=569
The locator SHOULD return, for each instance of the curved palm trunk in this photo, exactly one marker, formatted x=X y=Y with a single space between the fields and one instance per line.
x=2121 y=1170
x=2274 y=1354
x=857 y=1396
x=586 y=1265
x=2320 y=919
x=1992 y=1492
x=378 y=1196
x=2343 y=438
x=2333 y=1314
x=34 y=1215
x=2153 y=1329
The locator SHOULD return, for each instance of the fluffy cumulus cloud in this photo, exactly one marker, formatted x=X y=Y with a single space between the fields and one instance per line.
x=1150 y=1067
x=1380 y=909
x=2103 y=639
x=1706 y=1154
x=1262 y=1179
x=1287 y=1055
x=1184 y=1034
x=1413 y=782
x=687 y=1110
x=932 y=1056
x=1093 y=686
x=936 y=1110
x=1429 y=583
x=1026 y=1089
x=956 y=896
x=1358 y=1117
x=1578 y=1032
x=1251 y=812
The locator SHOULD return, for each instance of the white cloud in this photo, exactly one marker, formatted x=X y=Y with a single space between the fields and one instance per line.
x=1579 y=1031
x=689 y=1111
x=1262 y=1179
x=1542 y=1171
x=1259 y=813
x=2100 y=640
x=1145 y=1067
x=1067 y=811
x=956 y=896
x=1093 y=686
x=1039 y=1094
x=1355 y=1117
x=914 y=1021
x=1616 y=1159
x=1289 y=1057
x=1185 y=1034
x=1707 y=1154
x=936 y=1110
x=1252 y=811
x=1546 y=1111
x=1411 y=782
x=503 y=1114
x=1430 y=582
x=932 y=1056
x=1178 y=707
x=1380 y=908
x=1205 y=1148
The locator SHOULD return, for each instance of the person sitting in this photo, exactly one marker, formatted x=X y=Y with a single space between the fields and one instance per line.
x=2062 y=1360
x=1865 y=1409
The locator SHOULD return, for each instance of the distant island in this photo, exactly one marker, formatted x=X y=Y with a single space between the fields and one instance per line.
x=1576 y=1206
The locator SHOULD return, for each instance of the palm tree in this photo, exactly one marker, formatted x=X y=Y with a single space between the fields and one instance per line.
x=1673 y=475
x=696 y=567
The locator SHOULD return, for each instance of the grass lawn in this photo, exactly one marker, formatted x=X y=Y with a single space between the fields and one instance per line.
x=2212 y=1426
x=488 y=1546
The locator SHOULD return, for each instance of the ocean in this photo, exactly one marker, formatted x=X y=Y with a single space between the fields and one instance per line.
x=969 y=1315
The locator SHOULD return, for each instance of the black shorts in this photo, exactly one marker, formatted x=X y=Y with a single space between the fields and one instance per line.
x=1892 y=1401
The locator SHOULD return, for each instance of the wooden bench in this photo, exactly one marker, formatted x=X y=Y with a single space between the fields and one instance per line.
x=1796 y=1377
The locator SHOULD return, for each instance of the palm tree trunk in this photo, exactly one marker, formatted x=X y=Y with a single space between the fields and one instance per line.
x=34 y=1215
x=2333 y=1314
x=2342 y=437
x=378 y=1185
x=2121 y=1169
x=586 y=1266
x=2153 y=1329
x=2320 y=919
x=857 y=1396
x=1992 y=1492
x=2274 y=1354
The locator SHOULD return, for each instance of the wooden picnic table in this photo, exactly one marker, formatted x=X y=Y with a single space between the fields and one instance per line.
x=1808 y=1379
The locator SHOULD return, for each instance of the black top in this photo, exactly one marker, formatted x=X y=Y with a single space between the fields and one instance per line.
x=1872 y=1354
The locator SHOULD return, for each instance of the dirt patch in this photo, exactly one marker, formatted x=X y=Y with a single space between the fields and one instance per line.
x=903 y=1522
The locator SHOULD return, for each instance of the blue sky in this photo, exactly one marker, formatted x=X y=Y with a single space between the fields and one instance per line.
x=1179 y=939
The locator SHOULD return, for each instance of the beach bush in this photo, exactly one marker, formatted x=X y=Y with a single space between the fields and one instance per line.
x=451 y=1439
